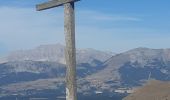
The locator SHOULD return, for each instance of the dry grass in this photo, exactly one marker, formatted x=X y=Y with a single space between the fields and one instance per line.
x=153 y=90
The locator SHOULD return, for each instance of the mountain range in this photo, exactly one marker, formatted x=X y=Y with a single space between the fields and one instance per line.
x=55 y=53
x=30 y=72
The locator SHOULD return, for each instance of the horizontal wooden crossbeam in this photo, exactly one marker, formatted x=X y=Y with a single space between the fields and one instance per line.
x=52 y=4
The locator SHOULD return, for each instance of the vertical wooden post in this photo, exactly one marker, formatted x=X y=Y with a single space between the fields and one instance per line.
x=70 y=51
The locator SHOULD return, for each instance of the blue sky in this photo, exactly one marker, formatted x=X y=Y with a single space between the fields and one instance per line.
x=115 y=25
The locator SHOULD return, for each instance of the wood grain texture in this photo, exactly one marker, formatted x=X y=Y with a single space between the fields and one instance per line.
x=70 y=51
x=52 y=4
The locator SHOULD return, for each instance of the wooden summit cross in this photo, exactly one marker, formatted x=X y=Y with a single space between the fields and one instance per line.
x=69 y=30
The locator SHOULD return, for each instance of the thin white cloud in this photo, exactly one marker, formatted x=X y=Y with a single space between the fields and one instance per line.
x=116 y=18
x=25 y=28
x=25 y=24
x=98 y=16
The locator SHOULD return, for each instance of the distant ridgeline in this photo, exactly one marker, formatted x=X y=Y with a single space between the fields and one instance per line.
x=32 y=72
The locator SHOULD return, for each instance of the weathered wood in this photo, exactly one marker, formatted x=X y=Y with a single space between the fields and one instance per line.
x=70 y=51
x=69 y=29
x=52 y=4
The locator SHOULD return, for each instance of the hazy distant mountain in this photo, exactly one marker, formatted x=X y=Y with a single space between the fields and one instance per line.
x=134 y=67
x=55 y=53
x=128 y=69
x=41 y=53
x=21 y=71
x=92 y=56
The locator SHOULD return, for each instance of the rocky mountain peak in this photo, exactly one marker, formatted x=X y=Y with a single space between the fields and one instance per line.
x=55 y=53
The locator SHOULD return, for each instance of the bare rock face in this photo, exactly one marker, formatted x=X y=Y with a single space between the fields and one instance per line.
x=55 y=53
x=42 y=53
x=154 y=90
x=134 y=67
x=96 y=70
x=92 y=56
